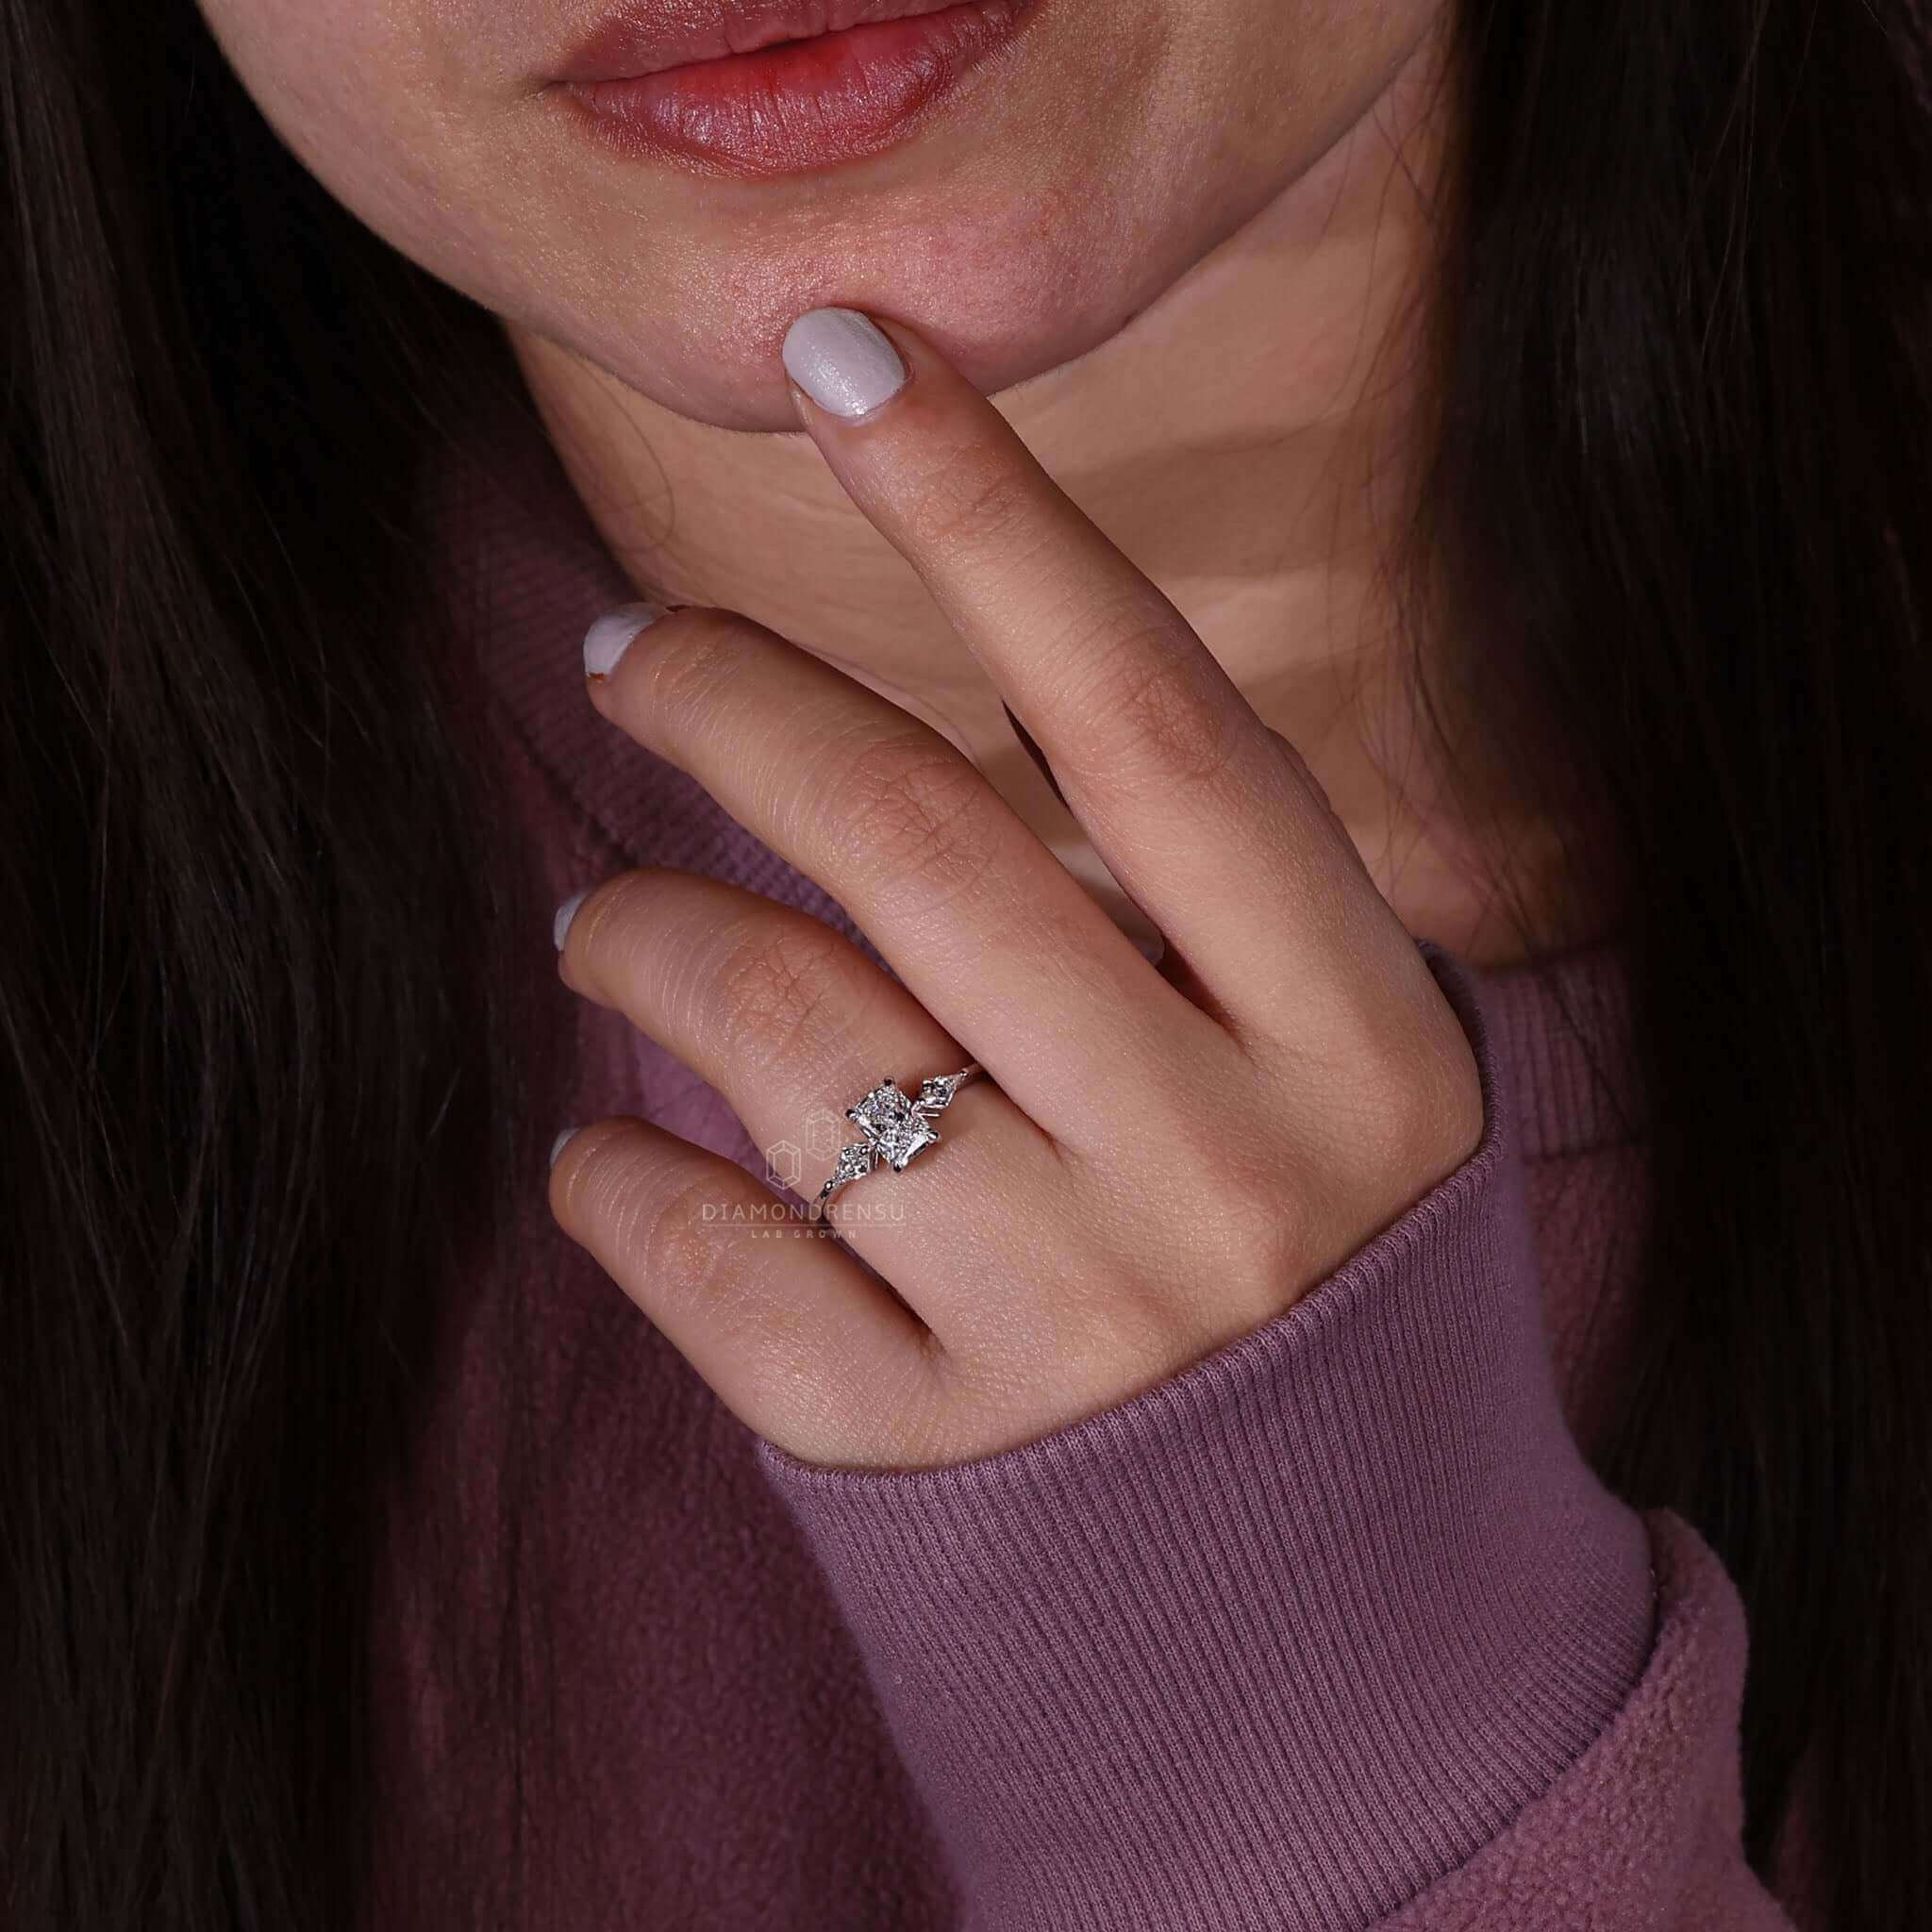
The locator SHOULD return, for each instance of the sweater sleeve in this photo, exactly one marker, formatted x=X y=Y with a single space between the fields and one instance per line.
x=1333 y=1629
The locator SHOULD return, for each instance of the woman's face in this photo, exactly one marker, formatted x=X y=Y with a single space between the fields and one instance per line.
x=1021 y=214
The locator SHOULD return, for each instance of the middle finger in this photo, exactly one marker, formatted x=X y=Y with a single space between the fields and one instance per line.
x=1210 y=823
x=791 y=1023
x=990 y=934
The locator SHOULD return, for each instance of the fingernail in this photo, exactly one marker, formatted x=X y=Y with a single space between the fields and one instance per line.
x=559 y=925
x=608 y=638
x=843 y=361
x=557 y=1146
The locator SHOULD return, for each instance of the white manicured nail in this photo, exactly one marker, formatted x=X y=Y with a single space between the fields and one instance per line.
x=608 y=638
x=560 y=926
x=557 y=1146
x=843 y=361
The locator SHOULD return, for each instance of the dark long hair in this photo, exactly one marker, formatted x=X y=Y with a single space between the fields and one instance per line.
x=245 y=1082
x=1683 y=482
x=1685 y=485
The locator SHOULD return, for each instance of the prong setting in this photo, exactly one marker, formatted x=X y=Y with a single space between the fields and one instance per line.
x=896 y=1125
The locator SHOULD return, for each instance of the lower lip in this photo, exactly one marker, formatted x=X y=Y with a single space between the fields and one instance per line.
x=805 y=104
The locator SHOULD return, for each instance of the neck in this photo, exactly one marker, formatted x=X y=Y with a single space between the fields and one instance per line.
x=1245 y=441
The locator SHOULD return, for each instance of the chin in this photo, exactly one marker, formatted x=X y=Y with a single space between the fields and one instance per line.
x=999 y=330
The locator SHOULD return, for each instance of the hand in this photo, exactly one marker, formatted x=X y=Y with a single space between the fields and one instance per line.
x=1161 y=1159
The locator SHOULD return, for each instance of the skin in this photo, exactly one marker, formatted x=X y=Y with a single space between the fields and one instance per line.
x=1207 y=585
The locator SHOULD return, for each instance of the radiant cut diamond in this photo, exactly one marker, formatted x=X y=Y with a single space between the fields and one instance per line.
x=894 y=1123
x=896 y=1126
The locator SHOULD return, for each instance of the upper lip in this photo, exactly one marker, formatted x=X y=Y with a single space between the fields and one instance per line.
x=647 y=36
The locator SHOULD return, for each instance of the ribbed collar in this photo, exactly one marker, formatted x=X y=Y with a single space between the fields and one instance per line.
x=529 y=571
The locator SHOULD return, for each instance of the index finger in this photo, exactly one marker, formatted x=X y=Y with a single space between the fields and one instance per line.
x=1203 y=814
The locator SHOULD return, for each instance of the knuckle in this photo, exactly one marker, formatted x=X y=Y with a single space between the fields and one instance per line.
x=1260 y=1224
x=643 y=1221
x=985 y=502
x=1403 y=1109
x=779 y=992
x=606 y=930
x=1226 y=1200
x=916 y=816
x=1429 y=1099
x=676 y=1253
x=1152 y=716
x=694 y=656
x=1229 y=1178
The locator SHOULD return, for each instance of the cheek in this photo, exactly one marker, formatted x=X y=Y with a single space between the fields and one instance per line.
x=378 y=98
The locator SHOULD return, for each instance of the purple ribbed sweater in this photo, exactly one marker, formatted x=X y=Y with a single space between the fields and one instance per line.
x=1334 y=1629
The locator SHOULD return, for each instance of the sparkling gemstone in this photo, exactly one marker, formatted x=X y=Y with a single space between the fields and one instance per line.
x=894 y=1123
x=937 y=1092
x=853 y=1161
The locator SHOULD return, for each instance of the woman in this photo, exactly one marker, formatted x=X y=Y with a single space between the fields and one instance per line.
x=1306 y=1445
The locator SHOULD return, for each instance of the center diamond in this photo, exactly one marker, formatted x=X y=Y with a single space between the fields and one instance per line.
x=892 y=1121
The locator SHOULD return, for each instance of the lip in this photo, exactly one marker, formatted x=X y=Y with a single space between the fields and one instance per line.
x=756 y=88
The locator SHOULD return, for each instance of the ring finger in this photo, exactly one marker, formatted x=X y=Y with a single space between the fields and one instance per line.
x=792 y=1023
